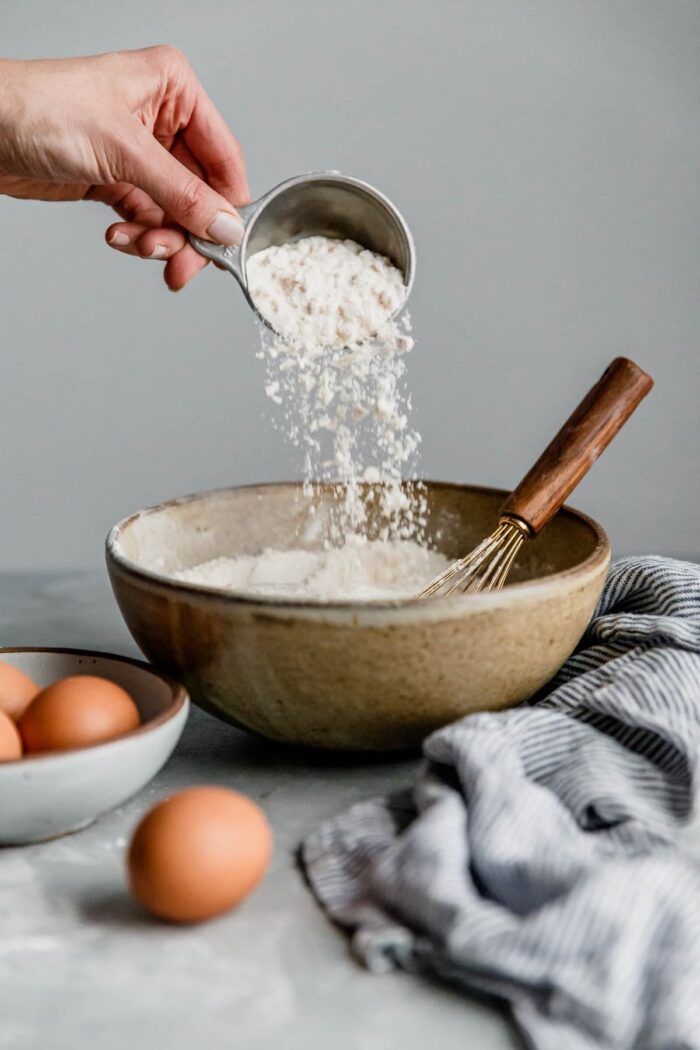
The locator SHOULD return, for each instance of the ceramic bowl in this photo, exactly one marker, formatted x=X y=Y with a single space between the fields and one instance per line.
x=350 y=675
x=52 y=794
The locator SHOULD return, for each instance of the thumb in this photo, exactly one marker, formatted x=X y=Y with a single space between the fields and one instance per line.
x=186 y=198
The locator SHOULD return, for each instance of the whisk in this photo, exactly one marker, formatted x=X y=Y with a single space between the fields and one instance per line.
x=543 y=490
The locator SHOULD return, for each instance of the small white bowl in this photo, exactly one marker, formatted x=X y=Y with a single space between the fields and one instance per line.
x=52 y=794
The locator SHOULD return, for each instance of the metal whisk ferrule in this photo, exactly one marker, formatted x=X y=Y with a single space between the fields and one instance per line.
x=487 y=566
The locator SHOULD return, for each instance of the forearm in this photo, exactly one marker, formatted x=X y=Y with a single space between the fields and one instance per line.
x=12 y=113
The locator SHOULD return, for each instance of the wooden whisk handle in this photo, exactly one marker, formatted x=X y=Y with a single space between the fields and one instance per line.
x=586 y=433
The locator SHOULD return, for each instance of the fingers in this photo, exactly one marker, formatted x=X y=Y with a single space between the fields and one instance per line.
x=187 y=199
x=188 y=262
x=146 y=237
x=144 y=241
x=182 y=268
x=213 y=145
x=163 y=245
x=209 y=138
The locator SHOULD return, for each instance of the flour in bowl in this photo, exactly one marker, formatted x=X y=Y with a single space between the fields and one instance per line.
x=360 y=570
x=335 y=368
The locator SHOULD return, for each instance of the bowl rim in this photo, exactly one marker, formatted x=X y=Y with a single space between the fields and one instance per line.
x=115 y=556
x=179 y=699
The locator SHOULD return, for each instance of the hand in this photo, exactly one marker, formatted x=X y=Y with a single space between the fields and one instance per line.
x=136 y=130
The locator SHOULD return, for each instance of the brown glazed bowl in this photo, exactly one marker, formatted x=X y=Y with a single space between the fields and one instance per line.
x=350 y=675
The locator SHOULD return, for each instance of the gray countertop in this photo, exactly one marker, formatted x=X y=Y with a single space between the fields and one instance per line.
x=81 y=965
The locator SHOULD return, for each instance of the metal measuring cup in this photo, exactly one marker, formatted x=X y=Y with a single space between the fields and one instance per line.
x=322 y=203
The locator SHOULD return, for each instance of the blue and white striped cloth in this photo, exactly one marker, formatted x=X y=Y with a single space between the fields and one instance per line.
x=543 y=854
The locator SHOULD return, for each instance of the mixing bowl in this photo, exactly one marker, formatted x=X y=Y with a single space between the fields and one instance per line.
x=350 y=675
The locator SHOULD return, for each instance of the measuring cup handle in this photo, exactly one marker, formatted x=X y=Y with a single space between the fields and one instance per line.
x=227 y=257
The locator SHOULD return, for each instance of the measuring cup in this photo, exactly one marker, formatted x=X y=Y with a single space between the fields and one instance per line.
x=321 y=203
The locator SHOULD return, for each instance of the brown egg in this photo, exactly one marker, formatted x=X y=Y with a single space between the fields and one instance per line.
x=77 y=712
x=17 y=690
x=198 y=854
x=10 y=741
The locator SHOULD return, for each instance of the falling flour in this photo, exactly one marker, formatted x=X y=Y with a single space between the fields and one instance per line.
x=360 y=570
x=335 y=363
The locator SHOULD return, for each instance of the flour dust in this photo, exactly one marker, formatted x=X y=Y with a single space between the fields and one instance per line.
x=335 y=368
x=335 y=361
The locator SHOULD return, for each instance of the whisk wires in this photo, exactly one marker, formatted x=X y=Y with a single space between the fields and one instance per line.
x=486 y=567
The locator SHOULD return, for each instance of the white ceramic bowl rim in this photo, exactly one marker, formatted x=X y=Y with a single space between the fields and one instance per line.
x=179 y=697
x=600 y=553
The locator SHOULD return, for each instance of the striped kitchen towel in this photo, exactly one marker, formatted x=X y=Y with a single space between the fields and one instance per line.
x=543 y=854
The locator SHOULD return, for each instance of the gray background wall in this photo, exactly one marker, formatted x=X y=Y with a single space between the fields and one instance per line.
x=547 y=155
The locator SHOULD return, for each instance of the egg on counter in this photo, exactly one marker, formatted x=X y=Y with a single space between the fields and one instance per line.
x=17 y=690
x=10 y=742
x=199 y=853
x=77 y=712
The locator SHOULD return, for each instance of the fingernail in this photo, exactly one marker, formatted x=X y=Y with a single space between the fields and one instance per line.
x=226 y=228
x=159 y=252
x=119 y=239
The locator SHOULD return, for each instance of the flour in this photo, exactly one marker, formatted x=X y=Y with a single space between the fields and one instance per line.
x=361 y=570
x=335 y=367
x=319 y=292
x=335 y=363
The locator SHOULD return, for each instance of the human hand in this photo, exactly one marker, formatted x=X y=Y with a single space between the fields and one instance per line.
x=136 y=130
